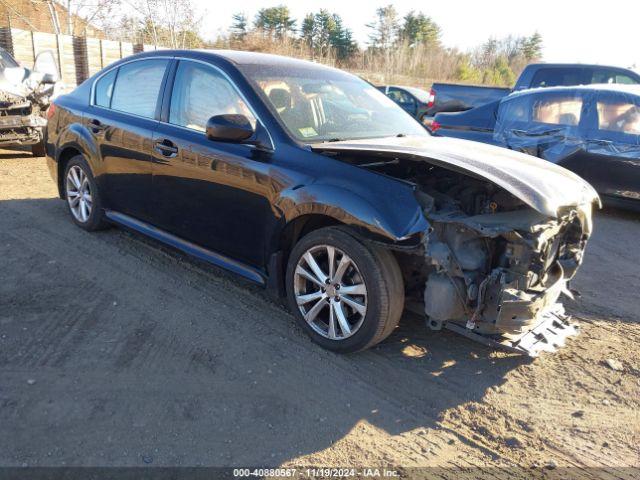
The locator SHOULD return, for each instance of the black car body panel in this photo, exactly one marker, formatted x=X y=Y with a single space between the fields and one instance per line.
x=578 y=139
x=243 y=204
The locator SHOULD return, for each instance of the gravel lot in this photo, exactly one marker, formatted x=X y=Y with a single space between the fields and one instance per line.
x=117 y=351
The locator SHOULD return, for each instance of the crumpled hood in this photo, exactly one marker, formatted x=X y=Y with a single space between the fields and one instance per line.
x=19 y=81
x=540 y=184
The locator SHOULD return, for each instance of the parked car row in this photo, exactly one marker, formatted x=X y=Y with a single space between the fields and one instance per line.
x=592 y=130
x=311 y=182
x=449 y=97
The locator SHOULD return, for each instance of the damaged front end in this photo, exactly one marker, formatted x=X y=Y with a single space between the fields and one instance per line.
x=506 y=234
x=21 y=119
x=499 y=275
x=25 y=96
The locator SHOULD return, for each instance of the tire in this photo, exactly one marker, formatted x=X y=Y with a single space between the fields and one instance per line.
x=38 y=149
x=369 y=265
x=90 y=218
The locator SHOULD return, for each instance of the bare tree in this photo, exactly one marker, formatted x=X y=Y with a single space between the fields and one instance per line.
x=96 y=13
x=170 y=23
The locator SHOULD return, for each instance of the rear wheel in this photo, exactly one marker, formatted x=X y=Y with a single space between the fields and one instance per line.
x=346 y=294
x=83 y=198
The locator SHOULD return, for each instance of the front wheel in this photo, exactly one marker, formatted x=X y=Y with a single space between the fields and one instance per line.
x=346 y=294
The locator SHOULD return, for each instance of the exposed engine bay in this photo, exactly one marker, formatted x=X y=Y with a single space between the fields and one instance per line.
x=489 y=266
x=25 y=95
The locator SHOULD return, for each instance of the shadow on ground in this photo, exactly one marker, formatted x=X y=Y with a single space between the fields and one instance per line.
x=116 y=351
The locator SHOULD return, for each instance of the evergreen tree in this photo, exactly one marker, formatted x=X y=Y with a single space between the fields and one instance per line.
x=239 y=25
x=418 y=28
x=276 y=21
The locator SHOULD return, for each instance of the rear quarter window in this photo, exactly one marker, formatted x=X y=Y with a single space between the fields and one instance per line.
x=137 y=87
x=104 y=89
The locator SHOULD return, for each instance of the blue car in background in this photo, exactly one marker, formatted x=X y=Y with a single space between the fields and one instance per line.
x=593 y=130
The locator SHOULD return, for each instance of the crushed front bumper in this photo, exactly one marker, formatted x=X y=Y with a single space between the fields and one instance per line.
x=18 y=130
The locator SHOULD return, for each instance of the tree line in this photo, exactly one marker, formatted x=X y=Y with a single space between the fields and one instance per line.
x=404 y=48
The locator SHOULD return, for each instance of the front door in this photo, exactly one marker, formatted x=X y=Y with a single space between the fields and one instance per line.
x=215 y=194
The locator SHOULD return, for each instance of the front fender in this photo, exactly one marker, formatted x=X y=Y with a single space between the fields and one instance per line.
x=390 y=221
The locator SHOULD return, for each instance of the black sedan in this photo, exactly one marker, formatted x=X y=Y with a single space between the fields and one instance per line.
x=311 y=182
x=592 y=130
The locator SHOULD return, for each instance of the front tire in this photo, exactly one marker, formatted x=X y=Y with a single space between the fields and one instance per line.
x=81 y=193
x=346 y=294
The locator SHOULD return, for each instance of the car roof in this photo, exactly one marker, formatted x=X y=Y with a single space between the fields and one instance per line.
x=240 y=57
x=573 y=65
x=600 y=87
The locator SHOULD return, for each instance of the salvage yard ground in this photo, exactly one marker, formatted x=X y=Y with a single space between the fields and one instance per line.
x=117 y=351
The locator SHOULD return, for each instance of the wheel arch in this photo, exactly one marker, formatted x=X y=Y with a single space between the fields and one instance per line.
x=64 y=156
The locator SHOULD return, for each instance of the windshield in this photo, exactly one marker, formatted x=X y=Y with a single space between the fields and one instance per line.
x=319 y=104
x=420 y=94
x=6 y=60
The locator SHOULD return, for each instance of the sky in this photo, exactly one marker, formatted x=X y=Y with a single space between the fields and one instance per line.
x=573 y=31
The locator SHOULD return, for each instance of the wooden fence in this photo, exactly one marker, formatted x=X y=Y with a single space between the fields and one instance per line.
x=78 y=57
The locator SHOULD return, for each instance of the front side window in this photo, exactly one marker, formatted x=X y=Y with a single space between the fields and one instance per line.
x=137 y=87
x=104 y=89
x=319 y=104
x=199 y=93
x=557 y=110
x=619 y=115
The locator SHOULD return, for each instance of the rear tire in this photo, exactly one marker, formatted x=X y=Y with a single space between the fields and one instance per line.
x=82 y=195
x=369 y=317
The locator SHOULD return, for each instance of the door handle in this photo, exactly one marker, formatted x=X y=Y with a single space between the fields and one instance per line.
x=97 y=126
x=166 y=148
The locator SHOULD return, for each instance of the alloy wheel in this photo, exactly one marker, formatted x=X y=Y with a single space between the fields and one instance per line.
x=330 y=292
x=78 y=192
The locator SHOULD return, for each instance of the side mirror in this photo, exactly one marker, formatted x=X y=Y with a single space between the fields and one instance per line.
x=229 y=128
x=45 y=64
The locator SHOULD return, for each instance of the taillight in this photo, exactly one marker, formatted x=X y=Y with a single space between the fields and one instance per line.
x=435 y=126
x=51 y=110
x=432 y=98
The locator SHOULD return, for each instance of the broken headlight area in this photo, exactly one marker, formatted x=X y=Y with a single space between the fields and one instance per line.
x=494 y=269
x=22 y=118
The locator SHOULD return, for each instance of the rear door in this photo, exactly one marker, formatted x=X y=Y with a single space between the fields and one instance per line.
x=613 y=161
x=545 y=124
x=122 y=118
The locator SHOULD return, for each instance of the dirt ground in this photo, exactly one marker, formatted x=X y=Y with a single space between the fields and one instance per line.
x=117 y=351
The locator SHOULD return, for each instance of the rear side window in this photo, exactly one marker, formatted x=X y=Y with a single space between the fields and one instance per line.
x=104 y=89
x=556 y=110
x=554 y=77
x=137 y=87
